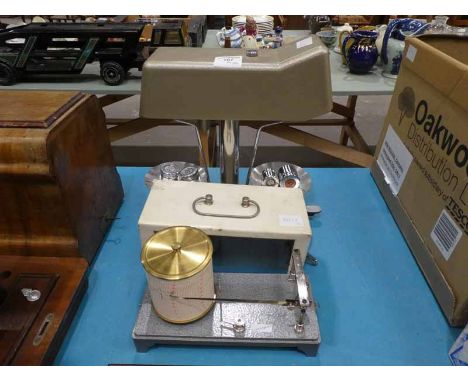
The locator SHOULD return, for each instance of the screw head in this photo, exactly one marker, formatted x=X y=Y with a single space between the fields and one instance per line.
x=239 y=326
x=299 y=328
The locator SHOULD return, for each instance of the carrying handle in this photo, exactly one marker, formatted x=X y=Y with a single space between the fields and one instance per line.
x=343 y=38
x=402 y=25
x=392 y=25
x=200 y=146
x=218 y=36
x=254 y=154
x=208 y=201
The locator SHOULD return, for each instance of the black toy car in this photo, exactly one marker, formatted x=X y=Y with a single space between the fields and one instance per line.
x=58 y=48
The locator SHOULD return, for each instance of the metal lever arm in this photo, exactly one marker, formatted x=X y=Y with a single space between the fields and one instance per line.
x=301 y=280
x=289 y=303
x=302 y=290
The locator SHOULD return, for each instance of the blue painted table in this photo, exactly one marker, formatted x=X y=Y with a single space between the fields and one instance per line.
x=375 y=306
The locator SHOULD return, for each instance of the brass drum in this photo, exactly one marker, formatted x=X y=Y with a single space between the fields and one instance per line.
x=178 y=264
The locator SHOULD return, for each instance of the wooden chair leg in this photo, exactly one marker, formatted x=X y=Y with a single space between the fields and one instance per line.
x=349 y=114
x=344 y=137
x=358 y=141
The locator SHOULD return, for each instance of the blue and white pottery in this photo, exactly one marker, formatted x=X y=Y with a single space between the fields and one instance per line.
x=393 y=43
x=360 y=51
x=233 y=33
x=393 y=56
x=328 y=37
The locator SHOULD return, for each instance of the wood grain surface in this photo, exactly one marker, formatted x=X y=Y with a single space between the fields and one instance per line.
x=31 y=332
x=59 y=189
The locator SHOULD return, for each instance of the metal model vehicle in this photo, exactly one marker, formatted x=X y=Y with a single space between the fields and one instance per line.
x=51 y=48
x=189 y=31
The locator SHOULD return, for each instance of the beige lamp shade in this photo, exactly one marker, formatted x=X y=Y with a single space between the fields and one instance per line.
x=291 y=83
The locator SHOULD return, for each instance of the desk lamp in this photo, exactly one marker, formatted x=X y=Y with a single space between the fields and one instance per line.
x=291 y=83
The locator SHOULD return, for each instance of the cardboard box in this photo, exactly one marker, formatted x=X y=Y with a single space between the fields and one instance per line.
x=421 y=164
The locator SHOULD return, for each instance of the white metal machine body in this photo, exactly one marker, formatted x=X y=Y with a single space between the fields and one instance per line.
x=261 y=237
x=282 y=215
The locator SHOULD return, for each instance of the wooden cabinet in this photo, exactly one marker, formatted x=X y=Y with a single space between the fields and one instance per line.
x=59 y=189
x=59 y=192
x=32 y=330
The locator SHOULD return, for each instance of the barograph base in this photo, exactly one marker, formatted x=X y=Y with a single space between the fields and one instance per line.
x=265 y=324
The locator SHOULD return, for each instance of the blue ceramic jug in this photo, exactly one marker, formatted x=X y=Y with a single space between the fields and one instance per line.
x=394 y=42
x=360 y=51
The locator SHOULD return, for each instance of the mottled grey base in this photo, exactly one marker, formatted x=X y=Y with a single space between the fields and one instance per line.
x=266 y=324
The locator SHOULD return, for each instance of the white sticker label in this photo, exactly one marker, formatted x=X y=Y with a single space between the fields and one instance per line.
x=290 y=221
x=446 y=234
x=394 y=160
x=261 y=328
x=301 y=44
x=228 y=61
x=411 y=53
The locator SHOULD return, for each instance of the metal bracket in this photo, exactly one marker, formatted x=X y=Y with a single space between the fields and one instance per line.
x=313 y=210
x=254 y=154
x=302 y=289
x=208 y=201
x=312 y=260
x=301 y=280
x=200 y=145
